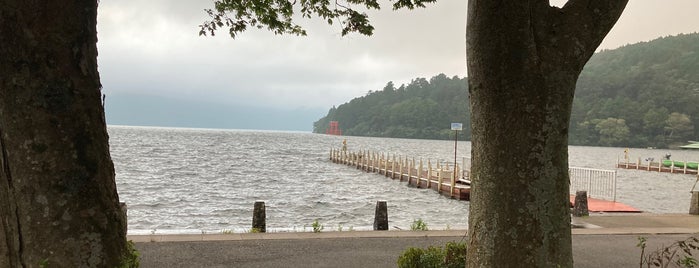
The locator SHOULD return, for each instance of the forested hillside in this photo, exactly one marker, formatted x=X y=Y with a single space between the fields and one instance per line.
x=422 y=109
x=640 y=95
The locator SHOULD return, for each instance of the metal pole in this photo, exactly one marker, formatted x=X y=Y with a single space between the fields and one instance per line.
x=456 y=135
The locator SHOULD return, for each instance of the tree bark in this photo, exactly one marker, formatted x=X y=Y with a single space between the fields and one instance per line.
x=524 y=59
x=58 y=200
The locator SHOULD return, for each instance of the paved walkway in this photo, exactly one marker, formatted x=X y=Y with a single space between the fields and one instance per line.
x=602 y=240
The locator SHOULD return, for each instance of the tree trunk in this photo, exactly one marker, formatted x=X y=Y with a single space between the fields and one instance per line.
x=524 y=58
x=58 y=200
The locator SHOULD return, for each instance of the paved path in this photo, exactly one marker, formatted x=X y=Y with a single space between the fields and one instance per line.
x=606 y=241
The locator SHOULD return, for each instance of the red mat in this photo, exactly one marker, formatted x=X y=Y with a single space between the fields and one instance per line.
x=598 y=205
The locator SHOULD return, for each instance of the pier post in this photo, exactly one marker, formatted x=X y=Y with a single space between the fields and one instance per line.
x=382 y=164
x=580 y=207
x=694 y=203
x=419 y=174
x=259 y=217
x=439 y=182
x=453 y=180
x=410 y=170
x=365 y=161
x=638 y=163
x=381 y=216
x=429 y=173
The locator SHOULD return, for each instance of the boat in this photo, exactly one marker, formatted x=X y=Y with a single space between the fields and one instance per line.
x=691 y=145
x=680 y=164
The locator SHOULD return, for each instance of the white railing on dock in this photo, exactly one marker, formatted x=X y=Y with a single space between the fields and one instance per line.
x=598 y=183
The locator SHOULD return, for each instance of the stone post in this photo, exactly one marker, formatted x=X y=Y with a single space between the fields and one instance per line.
x=124 y=216
x=580 y=208
x=694 y=203
x=381 y=216
x=259 y=217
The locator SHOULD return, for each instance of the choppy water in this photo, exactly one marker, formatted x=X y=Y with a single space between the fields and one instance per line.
x=202 y=180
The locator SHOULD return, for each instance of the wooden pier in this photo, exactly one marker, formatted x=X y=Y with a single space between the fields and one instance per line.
x=439 y=177
x=654 y=166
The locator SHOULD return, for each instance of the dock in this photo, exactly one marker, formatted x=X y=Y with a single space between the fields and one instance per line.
x=453 y=181
x=654 y=166
x=448 y=181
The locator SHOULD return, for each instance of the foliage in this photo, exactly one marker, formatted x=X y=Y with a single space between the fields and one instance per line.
x=418 y=225
x=255 y=230
x=132 y=259
x=423 y=109
x=452 y=255
x=641 y=95
x=678 y=254
x=317 y=227
x=227 y=231
x=652 y=86
x=278 y=15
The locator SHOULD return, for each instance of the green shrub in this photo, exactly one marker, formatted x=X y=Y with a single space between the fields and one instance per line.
x=317 y=227
x=678 y=254
x=411 y=258
x=132 y=259
x=453 y=255
x=418 y=225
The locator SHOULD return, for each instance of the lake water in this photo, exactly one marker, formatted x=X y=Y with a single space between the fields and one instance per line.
x=178 y=180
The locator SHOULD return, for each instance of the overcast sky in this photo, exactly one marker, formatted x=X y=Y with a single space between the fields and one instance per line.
x=152 y=47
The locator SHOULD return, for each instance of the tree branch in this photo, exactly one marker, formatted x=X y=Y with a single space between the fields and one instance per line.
x=589 y=21
x=278 y=15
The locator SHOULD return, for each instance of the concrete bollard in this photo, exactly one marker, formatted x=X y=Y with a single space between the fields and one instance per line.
x=580 y=208
x=124 y=216
x=381 y=216
x=694 y=203
x=259 y=217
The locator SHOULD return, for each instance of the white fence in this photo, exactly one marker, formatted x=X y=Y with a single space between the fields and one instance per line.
x=598 y=183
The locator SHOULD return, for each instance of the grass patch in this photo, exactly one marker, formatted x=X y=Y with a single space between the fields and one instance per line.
x=451 y=256
x=317 y=227
x=419 y=225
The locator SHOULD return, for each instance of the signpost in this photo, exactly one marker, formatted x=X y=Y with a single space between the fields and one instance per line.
x=455 y=127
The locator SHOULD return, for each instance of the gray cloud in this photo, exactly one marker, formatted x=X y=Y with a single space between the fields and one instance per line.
x=152 y=47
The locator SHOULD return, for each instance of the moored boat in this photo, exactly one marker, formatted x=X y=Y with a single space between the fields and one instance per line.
x=691 y=145
x=680 y=164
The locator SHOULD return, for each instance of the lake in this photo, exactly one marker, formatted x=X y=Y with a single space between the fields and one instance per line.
x=177 y=180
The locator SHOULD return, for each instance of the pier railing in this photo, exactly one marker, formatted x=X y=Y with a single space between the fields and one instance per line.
x=448 y=180
x=650 y=165
x=598 y=183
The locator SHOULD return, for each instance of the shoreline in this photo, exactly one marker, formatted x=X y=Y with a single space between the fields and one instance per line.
x=595 y=224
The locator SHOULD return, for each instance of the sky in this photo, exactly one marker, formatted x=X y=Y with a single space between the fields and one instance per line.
x=153 y=48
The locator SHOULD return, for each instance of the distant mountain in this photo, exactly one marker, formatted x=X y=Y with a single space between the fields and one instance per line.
x=640 y=95
x=422 y=109
x=146 y=110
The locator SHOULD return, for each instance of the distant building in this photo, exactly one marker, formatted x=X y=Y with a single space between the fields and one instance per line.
x=334 y=129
